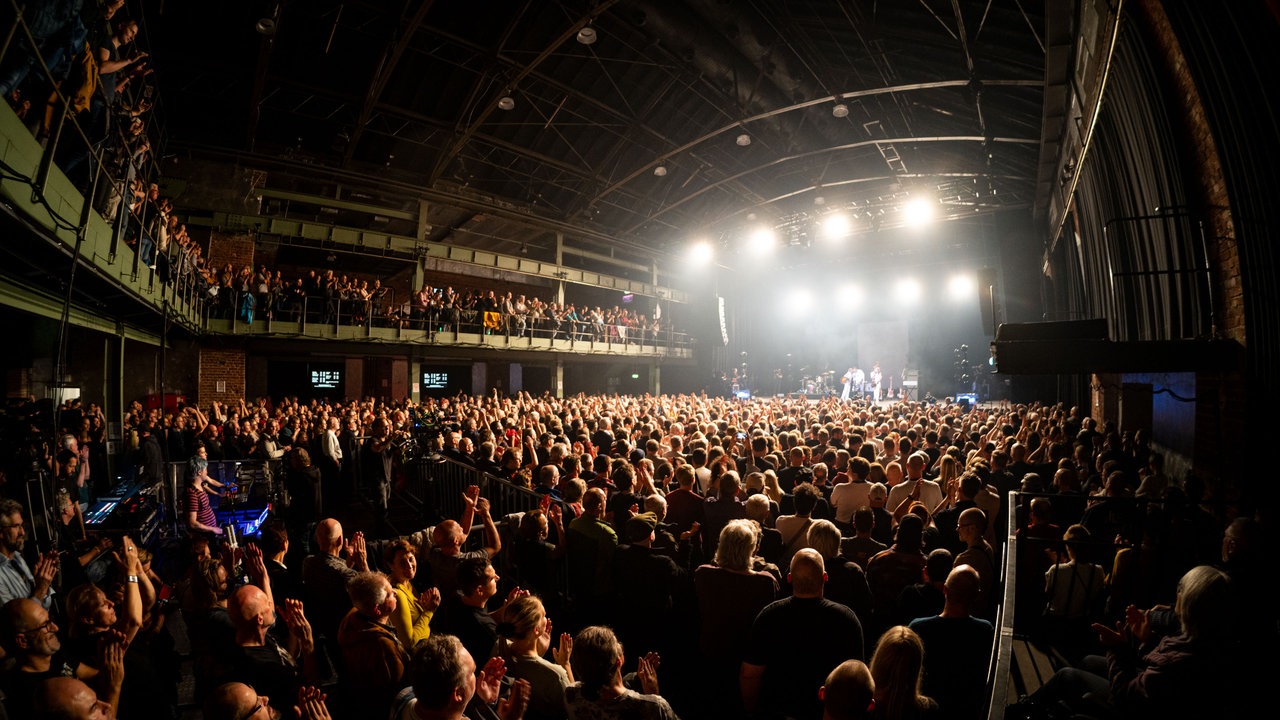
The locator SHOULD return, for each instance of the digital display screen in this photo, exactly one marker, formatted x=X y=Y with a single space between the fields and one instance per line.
x=435 y=380
x=444 y=380
x=326 y=379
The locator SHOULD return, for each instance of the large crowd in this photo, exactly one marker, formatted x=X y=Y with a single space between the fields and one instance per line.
x=94 y=60
x=700 y=556
x=328 y=297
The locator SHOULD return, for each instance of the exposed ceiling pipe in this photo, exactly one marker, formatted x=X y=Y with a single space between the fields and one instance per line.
x=722 y=66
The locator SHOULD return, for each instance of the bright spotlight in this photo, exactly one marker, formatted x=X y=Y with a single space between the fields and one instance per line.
x=848 y=297
x=961 y=286
x=907 y=291
x=836 y=227
x=762 y=241
x=801 y=301
x=701 y=253
x=918 y=212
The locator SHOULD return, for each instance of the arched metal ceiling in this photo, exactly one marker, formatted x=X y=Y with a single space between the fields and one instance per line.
x=944 y=98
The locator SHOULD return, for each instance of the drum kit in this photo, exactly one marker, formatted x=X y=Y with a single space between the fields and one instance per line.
x=823 y=383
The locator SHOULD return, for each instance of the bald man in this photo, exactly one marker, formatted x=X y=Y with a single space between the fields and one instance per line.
x=957 y=647
x=258 y=659
x=30 y=637
x=978 y=554
x=447 y=539
x=848 y=693
x=929 y=492
x=325 y=575
x=71 y=699
x=794 y=644
x=237 y=701
x=592 y=543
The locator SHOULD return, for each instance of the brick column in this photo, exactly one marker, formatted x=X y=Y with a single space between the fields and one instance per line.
x=222 y=376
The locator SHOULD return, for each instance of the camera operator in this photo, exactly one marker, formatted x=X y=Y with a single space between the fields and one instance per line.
x=379 y=453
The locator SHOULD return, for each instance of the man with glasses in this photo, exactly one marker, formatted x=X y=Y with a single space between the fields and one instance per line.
x=30 y=637
x=237 y=701
x=16 y=578
x=979 y=556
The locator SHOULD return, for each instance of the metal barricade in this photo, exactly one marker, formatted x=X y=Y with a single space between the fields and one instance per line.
x=436 y=486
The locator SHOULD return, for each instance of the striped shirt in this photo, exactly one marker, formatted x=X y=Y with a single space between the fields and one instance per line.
x=16 y=580
x=198 y=503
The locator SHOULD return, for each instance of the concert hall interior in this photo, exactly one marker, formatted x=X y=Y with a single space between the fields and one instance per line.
x=336 y=306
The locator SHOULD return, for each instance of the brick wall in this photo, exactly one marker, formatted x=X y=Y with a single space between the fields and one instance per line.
x=220 y=366
x=1221 y=398
x=1202 y=150
x=234 y=248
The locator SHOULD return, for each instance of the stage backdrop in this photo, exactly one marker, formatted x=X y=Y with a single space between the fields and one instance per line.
x=884 y=343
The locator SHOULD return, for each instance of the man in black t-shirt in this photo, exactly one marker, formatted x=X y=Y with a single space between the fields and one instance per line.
x=794 y=644
x=31 y=638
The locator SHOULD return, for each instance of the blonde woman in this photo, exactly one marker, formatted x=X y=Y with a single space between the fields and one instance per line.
x=897 y=666
x=527 y=632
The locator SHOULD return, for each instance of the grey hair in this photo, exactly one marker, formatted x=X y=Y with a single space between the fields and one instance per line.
x=737 y=543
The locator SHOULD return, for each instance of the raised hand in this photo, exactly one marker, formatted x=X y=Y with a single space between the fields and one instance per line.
x=517 y=701
x=254 y=563
x=46 y=568
x=297 y=621
x=647 y=671
x=1109 y=637
x=564 y=651
x=311 y=704
x=489 y=680
x=111 y=647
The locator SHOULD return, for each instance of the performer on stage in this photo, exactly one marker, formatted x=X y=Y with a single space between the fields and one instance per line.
x=876 y=377
x=847 y=379
x=859 y=382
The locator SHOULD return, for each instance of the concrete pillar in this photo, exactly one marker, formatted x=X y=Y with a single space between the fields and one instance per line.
x=400 y=378
x=557 y=382
x=415 y=379
x=655 y=379
x=515 y=374
x=560 y=263
x=479 y=378
x=353 y=384
x=113 y=401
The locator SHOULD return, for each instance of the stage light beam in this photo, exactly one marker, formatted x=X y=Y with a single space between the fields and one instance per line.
x=849 y=297
x=907 y=291
x=762 y=241
x=836 y=227
x=918 y=212
x=961 y=286
x=701 y=253
x=801 y=301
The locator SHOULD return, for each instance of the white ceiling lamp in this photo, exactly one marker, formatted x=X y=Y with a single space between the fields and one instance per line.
x=840 y=110
x=507 y=102
x=743 y=140
x=587 y=35
x=660 y=171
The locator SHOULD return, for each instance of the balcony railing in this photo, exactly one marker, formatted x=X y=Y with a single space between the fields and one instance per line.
x=246 y=313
